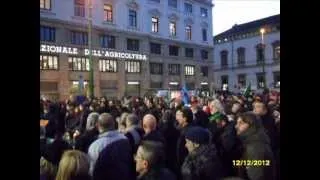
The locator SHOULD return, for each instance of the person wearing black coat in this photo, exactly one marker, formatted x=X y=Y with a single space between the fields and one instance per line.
x=134 y=133
x=228 y=144
x=150 y=129
x=256 y=146
x=184 y=118
x=202 y=162
x=91 y=133
x=51 y=114
x=171 y=135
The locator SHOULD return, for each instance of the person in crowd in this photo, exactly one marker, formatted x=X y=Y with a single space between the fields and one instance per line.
x=268 y=122
x=74 y=165
x=227 y=143
x=71 y=120
x=48 y=171
x=134 y=133
x=184 y=118
x=256 y=145
x=171 y=135
x=122 y=122
x=200 y=118
x=83 y=113
x=152 y=109
x=51 y=114
x=111 y=154
x=202 y=161
x=150 y=129
x=150 y=164
x=216 y=112
x=90 y=134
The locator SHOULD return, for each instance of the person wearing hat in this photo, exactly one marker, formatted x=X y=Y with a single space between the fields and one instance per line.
x=202 y=161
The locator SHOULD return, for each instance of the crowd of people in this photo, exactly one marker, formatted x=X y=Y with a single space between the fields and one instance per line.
x=222 y=137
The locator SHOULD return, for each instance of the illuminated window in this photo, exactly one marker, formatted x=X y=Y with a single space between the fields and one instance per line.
x=48 y=62
x=188 y=32
x=108 y=13
x=107 y=65
x=45 y=4
x=132 y=66
x=172 y=28
x=79 y=8
x=78 y=64
x=189 y=70
x=155 y=24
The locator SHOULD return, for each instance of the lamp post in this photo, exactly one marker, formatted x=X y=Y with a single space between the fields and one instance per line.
x=262 y=31
x=91 y=74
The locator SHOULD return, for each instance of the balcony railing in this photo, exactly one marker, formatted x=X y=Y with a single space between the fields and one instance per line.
x=247 y=64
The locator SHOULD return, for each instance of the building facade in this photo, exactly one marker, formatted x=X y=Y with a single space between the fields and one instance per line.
x=138 y=46
x=249 y=53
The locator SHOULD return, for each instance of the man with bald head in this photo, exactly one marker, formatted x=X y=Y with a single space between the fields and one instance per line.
x=149 y=124
x=111 y=154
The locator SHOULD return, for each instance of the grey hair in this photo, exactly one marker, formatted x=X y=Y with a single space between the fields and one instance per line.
x=92 y=120
x=217 y=104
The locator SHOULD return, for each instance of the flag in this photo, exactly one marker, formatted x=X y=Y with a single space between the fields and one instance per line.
x=247 y=91
x=185 y=95
x=81 y=84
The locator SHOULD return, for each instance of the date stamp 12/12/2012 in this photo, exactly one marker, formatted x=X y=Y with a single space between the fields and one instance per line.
x=253 y=163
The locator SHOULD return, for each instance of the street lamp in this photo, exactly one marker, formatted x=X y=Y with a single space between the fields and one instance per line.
x=262 y=31
x=91 y=74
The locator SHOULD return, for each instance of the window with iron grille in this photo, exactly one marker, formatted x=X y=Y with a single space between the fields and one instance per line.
x=78 y=64
x=45 y=4
x=155 y=68
x=133 y=44
x=173 y=50
x=133 y=66
x=108 y=41
x=132 y=18
x=174 y=69
x=189 y=52
x=189 y=70
x=155 y=48
x=107 y=65
x=47 y=34
x=108 y=13
x=204 y=54
x=79 y=8
x=204 y=71
x=155 y=24
x=48 y=62
x=79 y=38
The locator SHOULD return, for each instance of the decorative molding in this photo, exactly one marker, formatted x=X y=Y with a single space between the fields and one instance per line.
x=133 y=5
x=155 y=12
x=204 y=24
x=188 y=21
x=173 y=17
